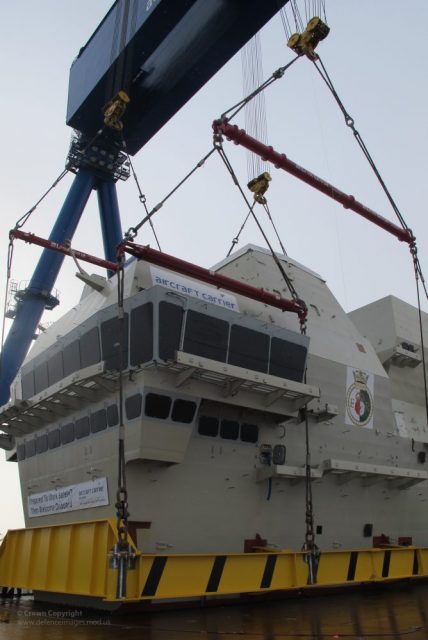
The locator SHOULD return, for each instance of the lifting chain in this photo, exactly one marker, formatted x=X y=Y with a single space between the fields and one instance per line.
x=122 y=556
x=309 y=547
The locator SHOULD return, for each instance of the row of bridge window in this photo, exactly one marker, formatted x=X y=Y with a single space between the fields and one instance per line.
x=204 y=335
x=155 y=406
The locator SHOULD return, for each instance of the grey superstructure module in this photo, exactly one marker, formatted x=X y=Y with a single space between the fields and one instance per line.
x=215 y=438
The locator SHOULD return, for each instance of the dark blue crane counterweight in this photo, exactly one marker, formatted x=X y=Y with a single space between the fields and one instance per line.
x=160 y=52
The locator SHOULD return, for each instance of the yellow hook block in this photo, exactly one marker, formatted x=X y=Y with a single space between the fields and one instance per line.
x=305 y=43
x=114 y=110
x=258 y=186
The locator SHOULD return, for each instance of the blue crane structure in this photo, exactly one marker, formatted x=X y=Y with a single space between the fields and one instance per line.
x=154 y=54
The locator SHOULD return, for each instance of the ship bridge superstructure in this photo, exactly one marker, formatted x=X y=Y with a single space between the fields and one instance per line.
x=207 y=410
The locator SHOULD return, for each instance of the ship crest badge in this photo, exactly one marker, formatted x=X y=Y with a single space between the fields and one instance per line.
x=359 y=398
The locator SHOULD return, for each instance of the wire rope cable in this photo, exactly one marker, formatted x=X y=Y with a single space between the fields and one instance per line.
x=419 y=277
x=266 y=208
x=255 y=109
x=238 y=106
x=23 y=219
x=235 y=240
x=294 y=294
x=350 y=122
x=255 y=120
x=9 y=260
x=133 y=231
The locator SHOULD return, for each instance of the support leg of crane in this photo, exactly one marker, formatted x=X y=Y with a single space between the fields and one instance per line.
x=110 y=219
x=31 y=308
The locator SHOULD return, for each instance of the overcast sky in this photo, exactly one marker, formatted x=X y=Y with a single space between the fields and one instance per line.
x=376 y=56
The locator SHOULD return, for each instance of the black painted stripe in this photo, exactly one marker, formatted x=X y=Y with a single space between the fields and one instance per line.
x=386 y=561
x=352 y=565
x=415 y=570
x=154 y=576
x=268 y=572
x=216 y=573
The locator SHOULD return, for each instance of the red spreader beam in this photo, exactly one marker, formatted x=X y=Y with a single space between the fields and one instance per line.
x=175 y=264
x=62 y=248
x=216 y=279
x=280 y=161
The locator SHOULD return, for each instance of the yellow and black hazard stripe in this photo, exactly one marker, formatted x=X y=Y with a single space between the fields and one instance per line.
x=204 y=575
x=386 y=563
x=268 y=572
x=215 y=573
x=185 y=575
x=154 y=576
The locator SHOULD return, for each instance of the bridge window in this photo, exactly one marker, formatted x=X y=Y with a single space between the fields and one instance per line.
x=54 y=439
x=67 y=433
x=208 y=426
x=71 y=355
x=30 y=448
x=27 y=384
x=249 y=433
x=206 y=336
x=42 y=443
x=55 y=368
x=287 y=359
x=41 y=377
x=229 y=429
x=112 y=415
x=183 y=411
x=82 y=427
x=157 y=406
x=142 y=334
x=133 y=406
x=110 y=340
x=98 y=421
x=170 y=319
x=248 y=348
x=90 y=348
x=20 y=452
